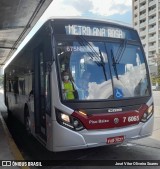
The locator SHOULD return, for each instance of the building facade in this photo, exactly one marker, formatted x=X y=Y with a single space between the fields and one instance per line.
x=146 y=19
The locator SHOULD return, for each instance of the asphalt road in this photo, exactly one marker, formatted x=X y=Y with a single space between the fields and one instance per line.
x=144 y=149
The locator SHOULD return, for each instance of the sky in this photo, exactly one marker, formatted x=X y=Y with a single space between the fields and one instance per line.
x=120 y=10
x=117 y=10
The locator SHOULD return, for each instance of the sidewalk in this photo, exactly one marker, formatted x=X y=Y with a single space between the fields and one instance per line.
x=5 y=150
x=2 y=105
x=156 y=132
x=8 y=149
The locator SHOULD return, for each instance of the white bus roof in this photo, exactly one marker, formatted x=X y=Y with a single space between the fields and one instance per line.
x=104 y=20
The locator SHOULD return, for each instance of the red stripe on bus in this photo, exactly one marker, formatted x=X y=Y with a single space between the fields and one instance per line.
x=111 y=120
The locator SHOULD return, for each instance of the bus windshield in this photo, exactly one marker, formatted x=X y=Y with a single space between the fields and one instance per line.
x=101 y=70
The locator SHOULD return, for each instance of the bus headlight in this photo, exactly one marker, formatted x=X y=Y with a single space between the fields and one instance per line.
x=65 y=118
x=147 y=114
x=69 y=121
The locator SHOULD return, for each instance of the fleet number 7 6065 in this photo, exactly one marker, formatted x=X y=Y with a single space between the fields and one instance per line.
x=131 y=119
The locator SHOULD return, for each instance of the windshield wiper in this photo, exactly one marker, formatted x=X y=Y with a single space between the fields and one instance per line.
x=120 y=51
x=117 y=58
x=103 y=65
x=114 y=64
x=94 y=54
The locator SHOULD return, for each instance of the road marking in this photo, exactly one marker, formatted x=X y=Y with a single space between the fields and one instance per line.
x=13 y=147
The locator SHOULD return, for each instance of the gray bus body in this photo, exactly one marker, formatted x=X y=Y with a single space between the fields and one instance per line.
x=115 y=106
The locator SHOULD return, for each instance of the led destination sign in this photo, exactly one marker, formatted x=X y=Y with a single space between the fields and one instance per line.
x=95 y=31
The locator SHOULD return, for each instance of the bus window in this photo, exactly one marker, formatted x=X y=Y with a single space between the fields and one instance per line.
x=15 y=86
x=21 y=86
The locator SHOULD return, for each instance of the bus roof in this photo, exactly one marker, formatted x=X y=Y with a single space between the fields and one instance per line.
x=100 y=20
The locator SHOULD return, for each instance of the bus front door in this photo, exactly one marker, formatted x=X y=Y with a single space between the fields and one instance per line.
x=39 y=88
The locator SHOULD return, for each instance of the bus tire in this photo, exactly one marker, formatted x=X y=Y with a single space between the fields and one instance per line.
x=27 y=122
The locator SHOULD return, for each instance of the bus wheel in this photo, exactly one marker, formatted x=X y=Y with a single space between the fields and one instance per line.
x=27 y=121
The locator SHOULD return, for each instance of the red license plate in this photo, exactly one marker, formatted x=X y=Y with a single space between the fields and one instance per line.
x=113 y=140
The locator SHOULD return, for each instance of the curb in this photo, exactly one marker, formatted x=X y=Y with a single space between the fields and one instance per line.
x=12 y=145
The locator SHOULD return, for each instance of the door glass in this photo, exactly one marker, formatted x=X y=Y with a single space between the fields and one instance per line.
x=42 y=80
x=42 y=86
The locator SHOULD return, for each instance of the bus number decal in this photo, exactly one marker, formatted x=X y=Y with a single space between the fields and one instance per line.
x=124 y=119
x=133 y=118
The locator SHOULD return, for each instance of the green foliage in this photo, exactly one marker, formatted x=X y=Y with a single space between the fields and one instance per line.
x=159 y=70
x=155 y=80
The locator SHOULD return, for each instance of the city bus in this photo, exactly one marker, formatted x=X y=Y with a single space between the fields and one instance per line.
x=105 y=97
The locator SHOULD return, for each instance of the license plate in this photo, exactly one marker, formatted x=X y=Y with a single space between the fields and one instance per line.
x=113 y=140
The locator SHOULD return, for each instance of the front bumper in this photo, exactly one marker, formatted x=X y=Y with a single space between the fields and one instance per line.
x=65 y=139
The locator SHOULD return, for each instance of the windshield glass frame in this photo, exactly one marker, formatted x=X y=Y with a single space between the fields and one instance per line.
x=68 y=38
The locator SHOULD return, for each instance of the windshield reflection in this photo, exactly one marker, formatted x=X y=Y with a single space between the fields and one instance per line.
x=132 y=76
x=90 y=70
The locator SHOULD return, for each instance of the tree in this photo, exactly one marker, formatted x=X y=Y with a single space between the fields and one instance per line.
x=156 y=77
x=157 y=61
x=1 y=81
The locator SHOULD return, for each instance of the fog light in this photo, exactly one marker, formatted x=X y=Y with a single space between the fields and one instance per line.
x=144 y=118
x=145 y=115
x=75 y=123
